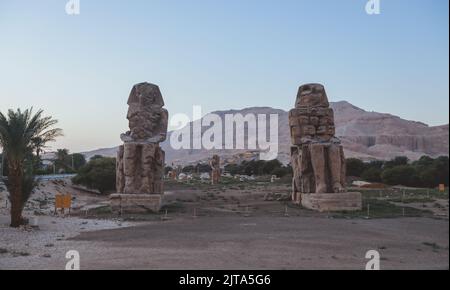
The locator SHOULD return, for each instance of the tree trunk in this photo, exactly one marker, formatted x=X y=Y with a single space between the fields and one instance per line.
x=15 y=191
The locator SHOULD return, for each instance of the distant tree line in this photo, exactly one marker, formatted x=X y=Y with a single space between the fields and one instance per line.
x=259 y=167
x=100 y=172
x=254 y=167
x=425 y=172
x=64 y=162
x=191 y=169
x=199 y=168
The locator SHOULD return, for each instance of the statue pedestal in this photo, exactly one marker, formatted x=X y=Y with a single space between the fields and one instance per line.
x=136 y=203
x=323 y=202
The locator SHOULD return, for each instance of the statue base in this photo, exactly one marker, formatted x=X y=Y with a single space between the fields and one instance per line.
x=136 y=203
x=324 y=202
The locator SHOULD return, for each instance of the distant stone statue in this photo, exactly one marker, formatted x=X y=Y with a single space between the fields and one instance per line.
x=140 y=160
x=215 y=169
x=172 y=175
x=317 y=156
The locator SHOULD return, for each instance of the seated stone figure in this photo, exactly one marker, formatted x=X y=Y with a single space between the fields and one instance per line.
x=317 y=157
x=215 y=169
x=140 y=160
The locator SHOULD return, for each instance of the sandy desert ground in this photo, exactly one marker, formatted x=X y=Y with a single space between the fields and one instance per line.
x=233 y=225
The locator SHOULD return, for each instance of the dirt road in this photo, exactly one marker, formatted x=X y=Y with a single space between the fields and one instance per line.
x=269 y=243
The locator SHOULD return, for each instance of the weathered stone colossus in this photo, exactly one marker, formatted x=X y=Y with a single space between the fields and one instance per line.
x=140 y=161
x=317 y=156
x=215 y=169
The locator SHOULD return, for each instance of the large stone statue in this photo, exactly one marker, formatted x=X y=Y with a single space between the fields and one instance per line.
x=317 y=156
x=215 y=169
x=140 y=160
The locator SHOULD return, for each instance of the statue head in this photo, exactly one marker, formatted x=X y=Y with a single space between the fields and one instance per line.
x=146 y=115
x=311 y=95
x=146 y=94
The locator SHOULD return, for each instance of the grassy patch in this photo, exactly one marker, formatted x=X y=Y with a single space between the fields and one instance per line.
x=398 y=193
x=21 y=254
x=432 y=193
x=101 y=210
x=413 y=200
x=173 y=206
x=375 y=208
x=42 y=202
x=434 y=246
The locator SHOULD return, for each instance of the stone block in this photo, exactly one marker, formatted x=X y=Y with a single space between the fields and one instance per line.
x=136 y=203
x=332 y=202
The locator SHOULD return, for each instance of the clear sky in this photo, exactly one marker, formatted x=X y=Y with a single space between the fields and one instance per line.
x=220 y=54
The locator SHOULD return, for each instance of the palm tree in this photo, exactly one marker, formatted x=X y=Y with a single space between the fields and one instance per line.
x=18 y=129
x=39 y=142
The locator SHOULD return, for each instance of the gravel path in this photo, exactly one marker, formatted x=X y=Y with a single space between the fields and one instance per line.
x=33 y=248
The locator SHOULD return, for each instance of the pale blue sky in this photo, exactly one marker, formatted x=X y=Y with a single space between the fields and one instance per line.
x=219 y=54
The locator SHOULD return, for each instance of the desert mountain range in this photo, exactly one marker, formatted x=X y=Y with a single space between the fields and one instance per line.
x=365 y=135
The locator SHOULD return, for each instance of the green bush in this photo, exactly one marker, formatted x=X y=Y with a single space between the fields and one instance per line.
x=354 y=167
x=441 y=166
x=372 y=174
x=429 y=177
x=281 y=172
x=259 y=167
x=167 y=169
x=425 y=172
x=188 y=169
x=78 y=161
x=401 y=175
x=99 y=174
x=397 y=161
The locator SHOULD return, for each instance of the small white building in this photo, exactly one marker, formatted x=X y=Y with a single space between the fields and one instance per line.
x=205 y=175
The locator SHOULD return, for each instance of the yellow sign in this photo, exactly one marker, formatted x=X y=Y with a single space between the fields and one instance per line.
x=63 y=201
x=441 y=187
x=67 y=201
